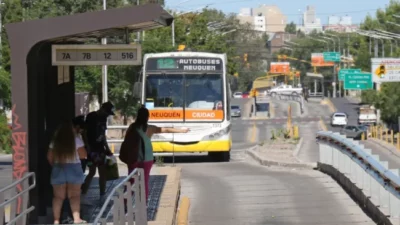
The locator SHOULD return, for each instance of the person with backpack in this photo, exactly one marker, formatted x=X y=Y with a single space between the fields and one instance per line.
x=136 y=150
x=96 y=126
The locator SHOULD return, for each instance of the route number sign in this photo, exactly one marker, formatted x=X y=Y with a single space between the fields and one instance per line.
x=85 y=55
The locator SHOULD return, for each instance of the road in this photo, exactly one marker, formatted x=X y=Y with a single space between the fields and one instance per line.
x=385 y=154
x=242 y=192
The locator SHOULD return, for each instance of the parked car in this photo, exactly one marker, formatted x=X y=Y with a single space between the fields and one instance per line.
x=237 y=94
x=354 y=132
x=235 y=111
x=339 y=119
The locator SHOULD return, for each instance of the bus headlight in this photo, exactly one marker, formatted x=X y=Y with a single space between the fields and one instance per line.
x=216 y=135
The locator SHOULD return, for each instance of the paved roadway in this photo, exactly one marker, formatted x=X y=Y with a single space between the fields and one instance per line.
x=385 y=153
x=242 y=192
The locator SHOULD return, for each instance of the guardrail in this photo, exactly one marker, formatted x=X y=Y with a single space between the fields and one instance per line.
x=292 y=97
x=19 y=201
x=371 y=176
x=116 y=127
x=124 y=209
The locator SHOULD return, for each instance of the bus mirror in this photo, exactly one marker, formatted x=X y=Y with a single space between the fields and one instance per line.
x=137 y=89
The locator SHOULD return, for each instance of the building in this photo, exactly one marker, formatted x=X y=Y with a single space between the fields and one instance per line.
x=310 y=21
x=264 y=18
x=277 y=40
x=340 y=24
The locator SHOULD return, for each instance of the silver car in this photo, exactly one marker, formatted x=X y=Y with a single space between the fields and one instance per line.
x=235 y=111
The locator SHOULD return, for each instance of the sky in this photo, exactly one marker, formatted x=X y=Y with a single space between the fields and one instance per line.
x=357 y=9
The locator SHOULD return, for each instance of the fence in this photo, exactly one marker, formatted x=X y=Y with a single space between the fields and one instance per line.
x=293 y=97
x=386 y=135
x=124 y=209
x=372 y=177
x=19 y=202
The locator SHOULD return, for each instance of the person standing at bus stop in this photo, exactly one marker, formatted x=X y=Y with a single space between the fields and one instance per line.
x=96 y=125
x=137 y=151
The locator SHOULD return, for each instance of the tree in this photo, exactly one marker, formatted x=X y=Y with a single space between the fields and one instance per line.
x=291 y=28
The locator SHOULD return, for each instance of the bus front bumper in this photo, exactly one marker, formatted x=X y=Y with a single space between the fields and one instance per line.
x=201 y=146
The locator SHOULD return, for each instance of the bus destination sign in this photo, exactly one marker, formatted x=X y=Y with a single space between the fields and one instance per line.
x=184 y=64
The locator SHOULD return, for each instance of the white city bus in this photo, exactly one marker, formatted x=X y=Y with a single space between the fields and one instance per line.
x=188 y=89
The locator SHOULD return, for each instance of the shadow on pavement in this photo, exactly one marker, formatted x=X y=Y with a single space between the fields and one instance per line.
x=189 y=159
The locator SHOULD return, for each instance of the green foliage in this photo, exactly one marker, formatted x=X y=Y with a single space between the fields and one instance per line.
x=5 y=134
x=291 y=28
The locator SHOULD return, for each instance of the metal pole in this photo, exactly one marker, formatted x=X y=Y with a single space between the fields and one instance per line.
x=173 y=33
x=334 y=81
x=138 y=33
x=104 y=67
x=370 y=45
x=383 y=48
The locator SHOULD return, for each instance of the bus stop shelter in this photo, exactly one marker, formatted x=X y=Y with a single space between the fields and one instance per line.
x=39 y=101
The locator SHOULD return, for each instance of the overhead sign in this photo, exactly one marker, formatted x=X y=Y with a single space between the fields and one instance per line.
x=342 y=72
x=385 y=69
x=91 y=55
x=184 y=64
x=280 y=67
x=358 y=81
x=317 y=60
x=331 y=56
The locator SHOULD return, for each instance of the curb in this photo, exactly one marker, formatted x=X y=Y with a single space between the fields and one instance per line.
x=265 y=162
x=329 y=103
x=182 y=217
x=297 y=149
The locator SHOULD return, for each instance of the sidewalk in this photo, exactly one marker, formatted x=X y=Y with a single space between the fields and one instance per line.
x=163 y=197
x=386 y=152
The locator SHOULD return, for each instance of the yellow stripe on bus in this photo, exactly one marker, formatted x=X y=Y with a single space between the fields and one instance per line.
x=202 y=146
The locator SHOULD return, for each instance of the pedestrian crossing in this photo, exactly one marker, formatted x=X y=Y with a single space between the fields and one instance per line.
x=266 y=121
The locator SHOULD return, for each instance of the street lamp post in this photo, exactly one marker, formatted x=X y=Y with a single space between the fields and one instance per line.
x=104 y=67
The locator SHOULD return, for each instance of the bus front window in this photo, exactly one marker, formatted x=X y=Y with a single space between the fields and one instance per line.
x=164 y=91
x=204 y=97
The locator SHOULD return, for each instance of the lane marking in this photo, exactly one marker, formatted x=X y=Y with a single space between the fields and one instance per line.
x=330 y=105
x=322 y=125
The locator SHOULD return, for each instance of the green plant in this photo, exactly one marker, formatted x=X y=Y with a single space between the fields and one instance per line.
x=159 y=161
x=5 y=134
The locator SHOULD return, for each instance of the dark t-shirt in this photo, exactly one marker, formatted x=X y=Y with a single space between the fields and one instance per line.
x=96 y=127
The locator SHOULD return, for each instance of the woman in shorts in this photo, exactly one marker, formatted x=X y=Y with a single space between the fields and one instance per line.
x=64 y=156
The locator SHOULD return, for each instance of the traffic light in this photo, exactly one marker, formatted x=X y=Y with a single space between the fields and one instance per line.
x=381 y=71
x=181 y=47
x=245 y=57
x=297 y=73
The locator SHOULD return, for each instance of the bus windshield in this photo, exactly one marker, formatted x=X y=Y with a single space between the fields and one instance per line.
x=186 y=97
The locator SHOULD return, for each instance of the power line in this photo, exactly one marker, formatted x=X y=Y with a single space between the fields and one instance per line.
x=296 y=14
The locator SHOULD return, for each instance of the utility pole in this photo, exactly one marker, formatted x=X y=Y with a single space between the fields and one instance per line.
x=104 y=67
x=138 y=33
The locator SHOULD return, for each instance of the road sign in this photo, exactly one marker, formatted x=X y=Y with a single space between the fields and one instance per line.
x=317 y=60
x=342 y=72
x=385 y=69
x=83 y=55
x=332 y=56
x=358 y=81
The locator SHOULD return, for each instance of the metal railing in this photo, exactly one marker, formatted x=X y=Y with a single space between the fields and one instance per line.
x=124 y=210
x=116 y=127
x=19 y=201
x=292 y=97
x=372 y=176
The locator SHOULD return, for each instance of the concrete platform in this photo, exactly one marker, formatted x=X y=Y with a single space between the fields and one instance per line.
x=163 y=197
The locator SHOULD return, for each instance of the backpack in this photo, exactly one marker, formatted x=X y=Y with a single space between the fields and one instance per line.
x=129 y=151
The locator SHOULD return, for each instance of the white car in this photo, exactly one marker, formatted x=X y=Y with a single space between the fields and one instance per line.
x=339 y=119
x=237 y=95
